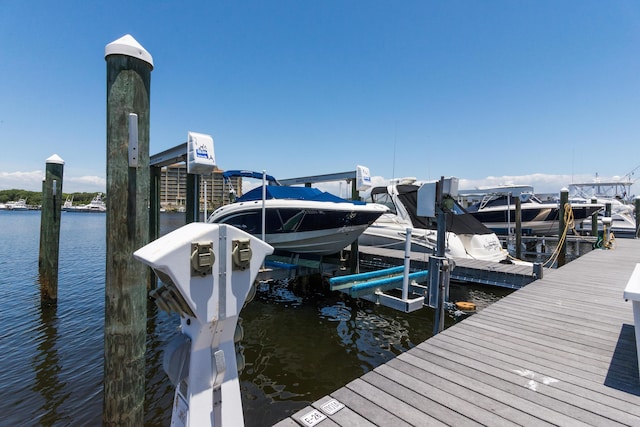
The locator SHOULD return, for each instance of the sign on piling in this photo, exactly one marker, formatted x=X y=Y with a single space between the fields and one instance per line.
x=50 y=230
x=129 y=68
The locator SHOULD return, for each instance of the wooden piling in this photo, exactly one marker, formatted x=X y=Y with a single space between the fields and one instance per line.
x=562 y=250
x=155 y=174
x=129 y=68
x=192 y=210
x=354 y=266
x=50 y=230
x=518 y=228
x=636 y=203
x=594 y=220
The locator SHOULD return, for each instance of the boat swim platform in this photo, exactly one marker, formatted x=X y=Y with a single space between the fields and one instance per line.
x=559 y=351
x=510 y=276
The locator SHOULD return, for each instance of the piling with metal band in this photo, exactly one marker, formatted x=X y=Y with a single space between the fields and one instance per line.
x=562 y=250
x=50 y=230
x=129 y=68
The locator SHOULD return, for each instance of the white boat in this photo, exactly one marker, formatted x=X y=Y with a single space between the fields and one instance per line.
x=497 y=210
x=96 y=205
x=465 y=236
x=20 y=205
x=297 y=219
x=617 y=195
x=68 y=203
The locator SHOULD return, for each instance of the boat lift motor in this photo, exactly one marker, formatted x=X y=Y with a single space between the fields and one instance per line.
x=207 y=272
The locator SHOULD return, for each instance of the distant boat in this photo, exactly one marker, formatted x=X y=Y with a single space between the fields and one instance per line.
x=96 y=205
x=20 y=205
x=68 y=203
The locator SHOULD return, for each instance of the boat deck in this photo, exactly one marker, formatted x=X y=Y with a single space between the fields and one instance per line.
x=559 y=351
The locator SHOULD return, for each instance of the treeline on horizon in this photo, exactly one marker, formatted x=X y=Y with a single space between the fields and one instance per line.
x=34 y=198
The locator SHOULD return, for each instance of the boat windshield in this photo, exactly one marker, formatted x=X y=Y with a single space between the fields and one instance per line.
x=493 y=200
x=384 y=199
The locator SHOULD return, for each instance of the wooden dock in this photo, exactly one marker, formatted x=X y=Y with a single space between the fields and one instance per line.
x=559 y=351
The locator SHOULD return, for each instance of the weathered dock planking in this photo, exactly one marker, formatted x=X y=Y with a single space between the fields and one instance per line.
x=559 y=351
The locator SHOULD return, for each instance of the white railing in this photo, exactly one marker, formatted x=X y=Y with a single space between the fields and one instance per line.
x=632 y=292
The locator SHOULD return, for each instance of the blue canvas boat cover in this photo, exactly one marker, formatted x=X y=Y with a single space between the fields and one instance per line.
x=295 y=193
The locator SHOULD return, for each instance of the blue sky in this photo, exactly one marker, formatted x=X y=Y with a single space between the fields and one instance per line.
x=534 y=92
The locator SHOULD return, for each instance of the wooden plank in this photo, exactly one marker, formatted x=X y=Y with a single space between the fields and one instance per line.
x=414 y=399
x=374 y=413
x=529 y=353
x=578 y=403
x=488 y=388
x=392 y=404
x=471 y=406
x=556 y=409
x=567 y=380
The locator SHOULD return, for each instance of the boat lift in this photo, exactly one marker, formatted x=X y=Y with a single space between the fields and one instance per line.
x=435 y=199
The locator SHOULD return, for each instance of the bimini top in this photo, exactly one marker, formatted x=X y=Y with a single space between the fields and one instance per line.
x=295 y=193
x=248 y=174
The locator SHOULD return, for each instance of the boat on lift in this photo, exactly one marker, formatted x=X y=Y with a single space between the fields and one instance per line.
x=619 y=198
x=300 y=220
x=465 y=237
x=497 y=210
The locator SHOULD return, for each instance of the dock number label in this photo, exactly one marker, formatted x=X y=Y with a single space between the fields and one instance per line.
x=331 y=407
x=312 y=418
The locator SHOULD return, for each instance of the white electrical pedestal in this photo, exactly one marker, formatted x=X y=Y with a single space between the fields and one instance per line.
x=207 y=272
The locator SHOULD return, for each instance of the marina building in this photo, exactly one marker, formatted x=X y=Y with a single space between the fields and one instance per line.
x=173 y=188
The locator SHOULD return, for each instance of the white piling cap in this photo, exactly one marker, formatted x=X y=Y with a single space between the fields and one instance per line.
x=127 y=45
x=55 y=159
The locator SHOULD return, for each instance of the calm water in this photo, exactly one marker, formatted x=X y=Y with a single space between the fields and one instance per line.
x=298 y=347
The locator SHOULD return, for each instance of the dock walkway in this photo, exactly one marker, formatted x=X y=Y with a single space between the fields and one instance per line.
x=559 y=351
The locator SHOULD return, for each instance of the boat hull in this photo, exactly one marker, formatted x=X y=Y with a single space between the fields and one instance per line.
x=537 y=220
x=300 y=226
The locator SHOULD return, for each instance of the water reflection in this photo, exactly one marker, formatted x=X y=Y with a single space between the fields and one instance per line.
x=47 y=365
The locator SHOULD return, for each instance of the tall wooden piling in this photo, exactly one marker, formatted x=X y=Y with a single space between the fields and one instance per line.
x=129 y=68
x=192 y=210
x=636 y=203
x=518 y=228
x=594 y=220
x=50 y=230
x=354 y=266
x=562 y=250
